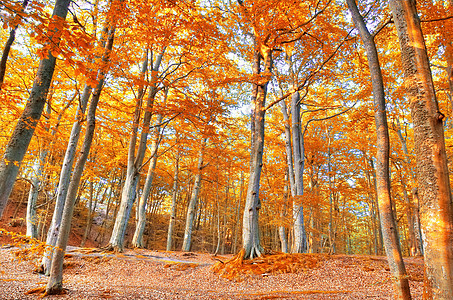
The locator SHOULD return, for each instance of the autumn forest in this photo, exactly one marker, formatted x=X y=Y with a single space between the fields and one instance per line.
x=231 y=127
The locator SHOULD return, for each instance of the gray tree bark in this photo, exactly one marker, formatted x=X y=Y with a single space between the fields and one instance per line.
x=135 y=161
x=7 y=48
x=63 y=184
x=300 y=237
x=55 y=284
x=137 y=240
x=174 y=195
x=388 y=224
x=25 y=128
x=191 y=210
x=251 y=244
x=281 y=226
x=32 y=230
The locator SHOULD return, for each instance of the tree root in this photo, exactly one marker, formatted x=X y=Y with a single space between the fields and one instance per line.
x=43 y=291
x=111 y=248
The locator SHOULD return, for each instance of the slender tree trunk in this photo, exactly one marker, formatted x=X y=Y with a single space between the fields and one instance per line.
x=289 y=152
x=32 y=230
x=191 y=209
x=300 y=236
x=219 y=229
x=66 y=169
x=417 y=225
x=38 y=168
x=91 y=211
x=299 y=244
x=372 y=205
x=129 y=190
x=237 y=225
x=65 y=177
x=225 y=214
x=412 y=242
x=174 y=195
x=376 y=206
x=135 y=161
x=137 y=240
x=332 y=246
x=388 y=224
x=55 y=284
x=25 y=128
x=7 y=48
x=436 y=207
x=102 y=229
x=281 y=226
x=250 y=225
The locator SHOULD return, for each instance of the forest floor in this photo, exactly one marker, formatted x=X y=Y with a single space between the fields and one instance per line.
x=144 y=274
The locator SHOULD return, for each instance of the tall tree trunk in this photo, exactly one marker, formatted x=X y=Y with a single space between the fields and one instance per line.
x=137 y=240
x=171 y=224
x=7 y=48
x=281 y=225
x=135 y=161
x=332 y=246
x=66 y=169
x=38 y=168
x=237 y=224
x=219 y=228
x=388 y=224
x=250 y=225
x=417 y=225
x=55 y=284
x=102 y=229
x=68 y=161
x=412 y=241
x=300 y=237
x=31 y=219
x=36 y=179
x=191 y=208
x=436 y=207
x=376 y=206
x=289 y=152
x=25 y=128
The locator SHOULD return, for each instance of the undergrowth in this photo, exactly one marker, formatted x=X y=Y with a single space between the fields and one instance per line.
x=237 y=268
x=25 y=248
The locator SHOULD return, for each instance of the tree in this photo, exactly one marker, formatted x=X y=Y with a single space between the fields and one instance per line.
x=436 y=207
x=23 y=132
x=55 y=284
x=8 y=44
x=191 y=209
x=174 y=196
x=135 y=160
x=388 y=225
x=137 y=240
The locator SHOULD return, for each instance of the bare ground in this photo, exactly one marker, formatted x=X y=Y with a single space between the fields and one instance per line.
x=143 y=274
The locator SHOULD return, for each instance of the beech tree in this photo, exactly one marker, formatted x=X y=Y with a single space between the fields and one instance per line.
x=191 y=209
x=55 y=284
x=436 y=208
x=389 y=230
x=9 y=43
x=312 y=176
x=23 y=132
x=135 y=159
